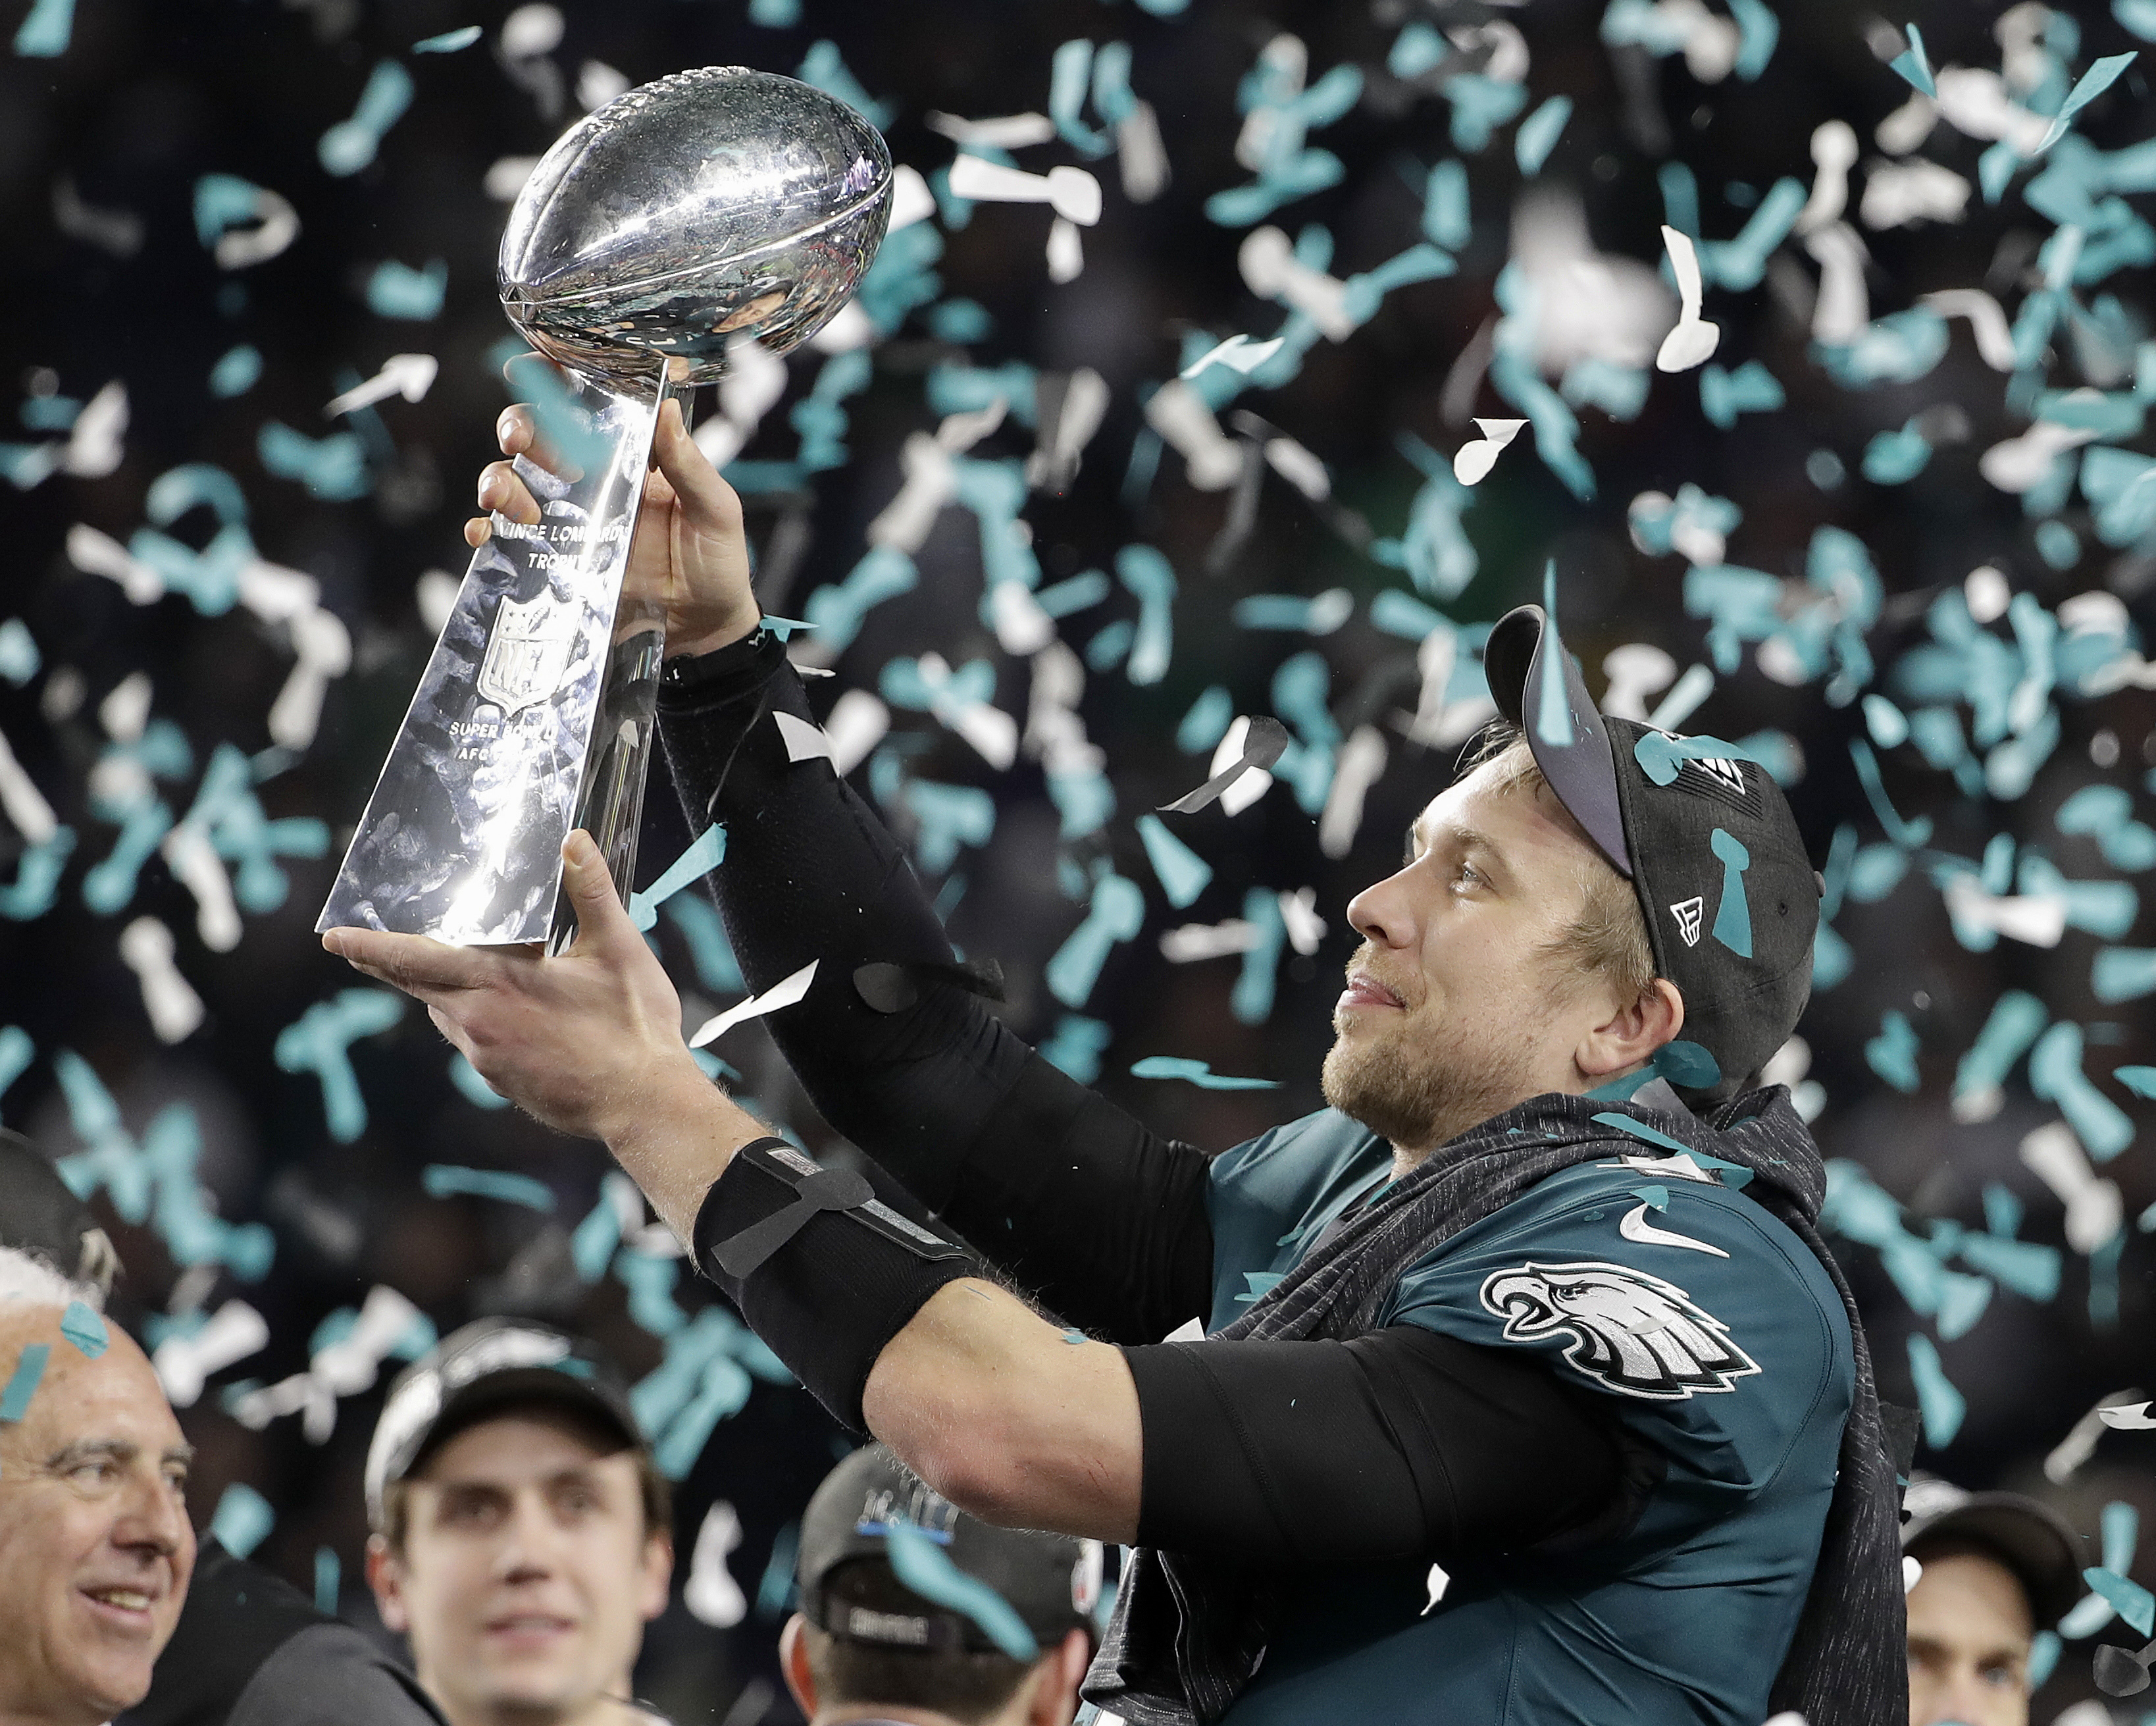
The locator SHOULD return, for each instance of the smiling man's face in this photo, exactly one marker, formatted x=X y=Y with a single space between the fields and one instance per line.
x=1463 y=999
x=95 y=1549
x=526 y=1574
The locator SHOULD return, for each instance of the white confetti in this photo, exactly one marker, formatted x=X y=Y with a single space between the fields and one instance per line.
x=1472 y=462
x=409 y=375
x=2094 y=1208
x=1072 y=193
x=1693 y=341
x=803 y=741
x=184 y=1363
x=858 y=722
x=784 y=993
x=710 y=1594
x=174 y=1010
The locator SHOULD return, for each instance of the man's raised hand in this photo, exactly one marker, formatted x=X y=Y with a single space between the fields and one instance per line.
x=588 y=1043
x=690 y=547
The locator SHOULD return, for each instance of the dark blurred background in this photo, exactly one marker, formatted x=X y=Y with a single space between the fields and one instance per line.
x=116 y=702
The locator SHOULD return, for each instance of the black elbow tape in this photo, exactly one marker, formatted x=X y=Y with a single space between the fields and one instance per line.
x=824 y=1273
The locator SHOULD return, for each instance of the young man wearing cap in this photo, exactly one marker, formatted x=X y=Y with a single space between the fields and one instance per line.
x=1530 y=1392
x=915 y=1614
x=522 y=1533
x=1996 y=1568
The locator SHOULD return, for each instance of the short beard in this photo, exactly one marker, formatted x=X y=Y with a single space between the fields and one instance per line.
x=1418 y=1091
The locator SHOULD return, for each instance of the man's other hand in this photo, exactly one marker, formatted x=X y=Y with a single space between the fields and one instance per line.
x=586 y=1043
x=690 y=547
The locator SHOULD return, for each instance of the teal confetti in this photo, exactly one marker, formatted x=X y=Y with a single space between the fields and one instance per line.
x=333 y=469
x=1538 y=134
x=1553 y=713
x=1942 y=1406
x=924 y=1567
x=1914 y=65
x=1257 y=1285
x=19 y=658
x=1147 y=574
x=444 y=1180
x=1115 y=913
x=37 y=872
x=23 y=1382
x=351 y=144
x=1751 y=388
x=2055 y=1074
x=243 y=1518
x=1176 y=1066
x=884 y=572
x=1893 y=1053
x=705 y=852
x=1076 y=1045
x=1640 y=1130
x=1893 y=458
x=1732 y=919
x=318 y=1042
x=81 y=1326
x=1759 y=31
x=2093 y=82
x=1656 y=1198
x=775 y=14
x=824 y=67
x=397 y=291
x=1660 y=756
x=2013 y=1026
x=2134 y=1603
x=775 y=1592
x=474 y=1090
x=16 y=1050
x=237 y=370
x=1687 y=1064
x=328 y=1572
x=1210 y=716
x=2141 y=1080
x=448 y=42
x=1181 y=872
x=45 y=30
x=2139 y=16
x=1252 y=1001
x=1075 y=1338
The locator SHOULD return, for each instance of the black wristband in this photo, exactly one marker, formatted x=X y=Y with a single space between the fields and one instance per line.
x=824 y=1273
x=689 y=681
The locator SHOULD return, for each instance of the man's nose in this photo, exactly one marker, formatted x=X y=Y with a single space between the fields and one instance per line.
x=530 y=1551
x=1381 y=913
x=153 y=1521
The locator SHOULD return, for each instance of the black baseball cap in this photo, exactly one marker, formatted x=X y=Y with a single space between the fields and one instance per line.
x=1051 y=1581
x=40 y=1216
x=2030 y=1538
x=485 y=1366
x=1705 y=838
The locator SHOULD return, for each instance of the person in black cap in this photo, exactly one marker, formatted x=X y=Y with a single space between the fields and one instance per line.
x=1994 y=1570
x=913 y=1612
x=1527 y=1389
x=249 y=1649
x=523 y=1533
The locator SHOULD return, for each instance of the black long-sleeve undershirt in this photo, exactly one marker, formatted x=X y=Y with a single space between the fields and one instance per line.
x=1403 y=1442
x=1079 y=1204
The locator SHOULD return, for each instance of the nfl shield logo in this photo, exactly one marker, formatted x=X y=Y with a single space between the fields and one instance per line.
x=527 y=654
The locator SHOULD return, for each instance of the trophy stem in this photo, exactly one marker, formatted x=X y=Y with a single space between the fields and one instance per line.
x=536 y=713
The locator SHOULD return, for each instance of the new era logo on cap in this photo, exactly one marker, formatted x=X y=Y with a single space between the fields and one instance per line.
x=1688 y=913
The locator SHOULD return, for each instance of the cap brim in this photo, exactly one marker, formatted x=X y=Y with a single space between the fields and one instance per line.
x=1537 y=688
x=2030 y=1538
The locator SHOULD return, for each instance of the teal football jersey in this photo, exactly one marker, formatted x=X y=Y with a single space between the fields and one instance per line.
x=1719 y=1340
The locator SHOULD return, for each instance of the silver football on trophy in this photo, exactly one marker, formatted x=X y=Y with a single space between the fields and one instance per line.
x=711 y=204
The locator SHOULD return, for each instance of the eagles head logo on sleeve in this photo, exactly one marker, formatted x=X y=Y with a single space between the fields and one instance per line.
x=1631 y=1331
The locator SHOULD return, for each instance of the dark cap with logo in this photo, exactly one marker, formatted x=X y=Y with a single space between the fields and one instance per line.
x=2028 y=1536
x=1705 y=836
x=965 y=1585
x=488 y=1365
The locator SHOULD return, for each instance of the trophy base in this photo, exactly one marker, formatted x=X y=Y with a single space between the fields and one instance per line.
x=537 y=712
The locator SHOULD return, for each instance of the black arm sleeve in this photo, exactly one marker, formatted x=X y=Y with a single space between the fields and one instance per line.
x=1079 y=1204
x=1404 y=1443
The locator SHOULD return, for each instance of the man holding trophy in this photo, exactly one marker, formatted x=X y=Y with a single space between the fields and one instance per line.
x=1519 y=1387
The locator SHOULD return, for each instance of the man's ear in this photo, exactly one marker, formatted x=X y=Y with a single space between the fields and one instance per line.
x=1630 y=1036
x=385 y=1575
x=794 y=1665
x=657 y=1572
